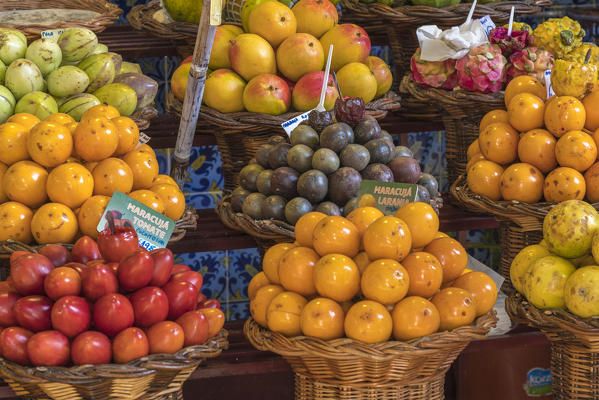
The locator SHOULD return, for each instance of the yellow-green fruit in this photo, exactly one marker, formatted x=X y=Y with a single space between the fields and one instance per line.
x=118 y=95
x=219 y=56
x=583 y=261
x=575 y=79
x=185 y=10
x=558 y=35
x=246 y=10
x=223 y=91
x=522 y=262
x=356 y=80
x=545 y=280
x=520 y=26
x=579 y=54
x=582 y=292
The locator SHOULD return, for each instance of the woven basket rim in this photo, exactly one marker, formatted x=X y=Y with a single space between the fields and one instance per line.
x=143 y=116
x=109 y=13
x=409 y=16
x=343 y=348
x=250 y=121
x=140 y=17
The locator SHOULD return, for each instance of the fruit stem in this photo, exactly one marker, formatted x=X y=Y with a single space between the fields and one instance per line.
x=110 y=219
x=587 y=57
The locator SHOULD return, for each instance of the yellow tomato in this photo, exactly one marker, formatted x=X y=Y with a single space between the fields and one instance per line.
x=110 y=175
x=25 y=182
x=96 y=139
x=304 y=227
x=90 y=213
x=422 y=220
x=128 y=135
x=368 y=321
x=144 y=167
x=385 y=281
x=172 y=198
x=101 y=110
x=387 y=237
x=13 y=143
x=70 y=184
x=164 y=179
x=322 y=318
x=337 y=277
x=60 y=118
x=49 y=143
x=15 y=222
x=336 y=234
x=148 y=198
x=3 y=169
x=25 y=119
x=54 y=223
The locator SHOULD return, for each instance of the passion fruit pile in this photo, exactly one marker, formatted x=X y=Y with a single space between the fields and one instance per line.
x=322 y=166
x=538 y=149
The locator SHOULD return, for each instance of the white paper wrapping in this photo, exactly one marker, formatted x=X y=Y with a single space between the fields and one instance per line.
x=439 y=45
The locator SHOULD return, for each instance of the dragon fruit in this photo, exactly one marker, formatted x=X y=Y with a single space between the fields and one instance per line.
x=437 y=74
x=482 y=69
x=530 y=61
x=516 y=41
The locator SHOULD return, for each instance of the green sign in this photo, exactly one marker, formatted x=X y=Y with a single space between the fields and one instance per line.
x=388 y=197
x=153 y=229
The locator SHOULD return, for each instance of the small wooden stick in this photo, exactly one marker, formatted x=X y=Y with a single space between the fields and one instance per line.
x=193 y=95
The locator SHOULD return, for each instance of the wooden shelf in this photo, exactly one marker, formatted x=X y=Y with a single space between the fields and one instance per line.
x=129 y=43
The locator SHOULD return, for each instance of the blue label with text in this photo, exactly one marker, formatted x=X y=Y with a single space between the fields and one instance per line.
x=538 y=382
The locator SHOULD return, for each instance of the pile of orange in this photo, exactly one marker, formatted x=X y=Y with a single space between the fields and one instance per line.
x=537 y=149
x=369 y=277
x=57 y=175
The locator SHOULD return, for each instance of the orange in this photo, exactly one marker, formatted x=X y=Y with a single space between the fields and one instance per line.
x=271 y=259
x=13 y=143
x=95 y=139
x=259 y=280
x=261 y=301
x=60 y=118
x=422 y=221
x=482 y=288
x=3 y=197
x=216 y=320
x=537 y=147
x=564 y=114
x=522 y=182
x=388 y=237
x=144 y=166
x=128 y=135
x=499 y=143
x=369 y=322
x=364 y=216
x=148 y=198
x=70 y=184
x=362 y=260
x=164 y=179
x=90 y=213
x=577 y=150
x=473 y=149
x=440 y=235
x=493 y=117
x=367 y=200
x=337 y=277
x=101 y=110
x=54 y=223
x=172 y=198
x=322 y=318
x=25 y=119
x=336 y=234
x=385 y=281
x=476 y=158
x=284 y=312
x=565 y=183
x=425 y=272
x=591 y=177
x=110 y=175
x=456 y=308
x=591 y=106
x=524 y=84
x=451 y=254
x=71 y=127
x=304 y=227
x=296 y=270
x=484 y=178
x=526 y=112
x=15 y=222
x=25 y=182
x=49 y=143
x=414 y=317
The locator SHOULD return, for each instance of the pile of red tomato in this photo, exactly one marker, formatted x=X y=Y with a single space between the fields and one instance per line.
x=103 y=301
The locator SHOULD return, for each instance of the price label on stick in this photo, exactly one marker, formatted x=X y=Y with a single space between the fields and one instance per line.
x=388 y=196
x=53 y=34
x=216 y=8
x=487 y=23
x=153 y=229
x=550 y=91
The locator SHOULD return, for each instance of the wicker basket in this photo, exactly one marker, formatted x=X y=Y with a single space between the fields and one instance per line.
x=349 y=369
x=143 y=116
x=574 y=347
x=152 y=18
x=107 y=12
x=159 y=376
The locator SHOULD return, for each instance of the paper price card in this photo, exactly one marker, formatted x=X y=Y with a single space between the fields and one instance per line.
x=388 y=197
x=53 y=34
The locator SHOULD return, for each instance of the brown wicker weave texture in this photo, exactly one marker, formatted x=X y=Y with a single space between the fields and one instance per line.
x=143 y=116
x=109 y=13
x=350 y=362
x=574 y=347
x=141 y=17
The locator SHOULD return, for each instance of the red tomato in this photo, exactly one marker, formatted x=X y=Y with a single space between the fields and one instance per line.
x=112 y=313
x=181 y=298
x=130 y=344
x=13 y=342
x=33 y=313
x=201 y=299
x=56 y=253
x=28 y=273
x=195 y=278
x=71 y=315
x=99 y=280
x=165 y=337
x=163 y=266
x=85 y=249
x=210 y=303
x=94 y=262
x=91 y=348
x=135 y=270
x=48 y=348
x=115 y=247
x=114 y=266
x=179 y=268
x=150 y=305
x=7 y=287
x=195 y=328
x=216 y=320
x=18 y=254
x=7 y=312
x=80 y=268
x=187 y=60
x=62 y=281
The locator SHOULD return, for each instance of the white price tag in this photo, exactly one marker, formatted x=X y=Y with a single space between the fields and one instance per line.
x=143 y=138
x=53 y=34
x=216 y=9
x=550 y=91
x=487 y=23
x=290 y=125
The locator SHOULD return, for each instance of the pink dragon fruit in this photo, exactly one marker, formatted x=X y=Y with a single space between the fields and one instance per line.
x=437 y=74
x=516 y=41
x=482 y=69
x=530 y=61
